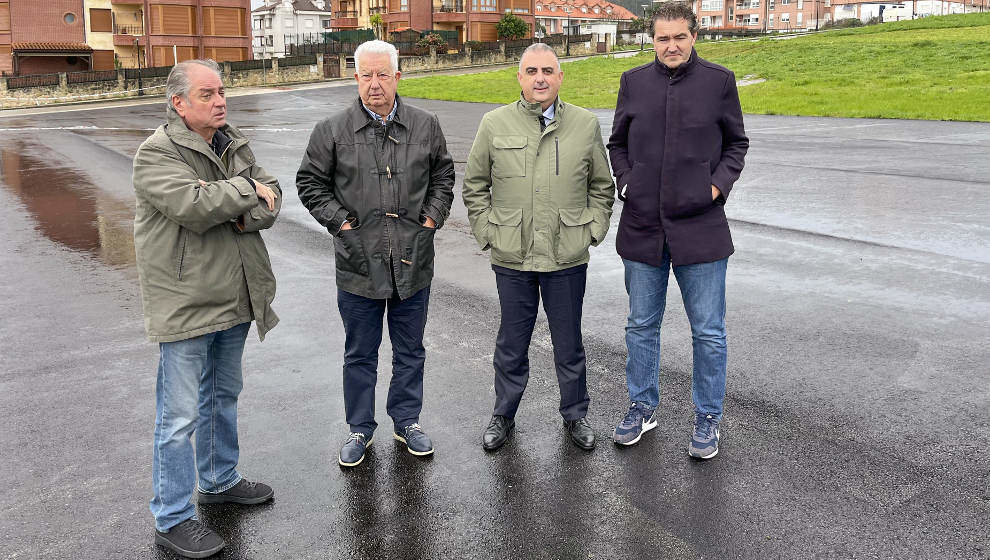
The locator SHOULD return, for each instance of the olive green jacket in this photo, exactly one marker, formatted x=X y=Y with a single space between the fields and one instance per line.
x=538 y=199
x=202 y=264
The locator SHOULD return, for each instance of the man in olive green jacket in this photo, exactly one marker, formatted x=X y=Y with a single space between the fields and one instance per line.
x=205 y=275
x=538 y=191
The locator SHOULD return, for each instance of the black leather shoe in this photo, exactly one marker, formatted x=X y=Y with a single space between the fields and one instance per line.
x=581 y=433
x=497 y=432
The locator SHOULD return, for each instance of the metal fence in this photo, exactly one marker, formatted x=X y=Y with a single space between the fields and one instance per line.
x=34 y=80
x=322 y=48
x=92 y=76
x=303 y=60
x=153 y=72
x=250 y=64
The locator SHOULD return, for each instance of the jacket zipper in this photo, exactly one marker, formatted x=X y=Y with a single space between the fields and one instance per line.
x=556 y=143
x=182 y=255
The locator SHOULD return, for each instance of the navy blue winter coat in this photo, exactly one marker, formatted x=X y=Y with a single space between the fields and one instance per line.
x=676 y=133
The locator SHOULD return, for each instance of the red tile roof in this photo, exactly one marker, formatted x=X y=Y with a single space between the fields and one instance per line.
x=47 y=47
x=618 y=12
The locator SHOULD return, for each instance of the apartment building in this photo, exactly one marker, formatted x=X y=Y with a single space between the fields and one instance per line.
x=43 y=37
x=473 y=20
x=279 y=23
x=763 y=15
x=574 y=17
x=177 y=30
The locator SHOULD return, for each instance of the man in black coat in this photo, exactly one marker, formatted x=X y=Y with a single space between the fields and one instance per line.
x=378 y=176
x=677 y=147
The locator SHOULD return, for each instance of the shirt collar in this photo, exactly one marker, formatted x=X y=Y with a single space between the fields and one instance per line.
x=377 y=117
x=550 y=112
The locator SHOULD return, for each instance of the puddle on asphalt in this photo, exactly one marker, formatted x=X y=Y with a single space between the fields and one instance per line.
x=67 y=208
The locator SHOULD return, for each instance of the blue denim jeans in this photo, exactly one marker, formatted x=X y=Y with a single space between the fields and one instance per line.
x=362 y=319
x=199 y=380
x=703 y=292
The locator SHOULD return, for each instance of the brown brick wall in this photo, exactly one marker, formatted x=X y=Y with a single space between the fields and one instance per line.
x=31 y=20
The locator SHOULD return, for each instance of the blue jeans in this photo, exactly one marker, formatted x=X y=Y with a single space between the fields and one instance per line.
x=703 y=292
x=199 y=380
x=362 y=319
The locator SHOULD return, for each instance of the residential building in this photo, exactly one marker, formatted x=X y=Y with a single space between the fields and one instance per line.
x=28 y=33
x=473 y=20
x=177 y=30
x=579 y=17
x=279 y=23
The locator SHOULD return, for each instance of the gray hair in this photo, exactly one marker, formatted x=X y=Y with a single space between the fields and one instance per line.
x=376 y=47
x=539 y=47
x=672 y=11
x=178 y=80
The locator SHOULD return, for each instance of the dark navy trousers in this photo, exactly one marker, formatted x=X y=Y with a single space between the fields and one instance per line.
x=363 y=336
x=519 y=294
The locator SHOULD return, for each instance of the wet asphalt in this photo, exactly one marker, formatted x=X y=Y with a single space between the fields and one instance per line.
x=855 y=421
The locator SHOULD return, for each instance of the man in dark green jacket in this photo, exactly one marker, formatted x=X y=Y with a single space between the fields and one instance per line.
x=379 y=178
x=538 y=191
x=205 y=275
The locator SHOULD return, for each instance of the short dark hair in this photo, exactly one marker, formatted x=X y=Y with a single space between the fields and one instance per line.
x=672 y=10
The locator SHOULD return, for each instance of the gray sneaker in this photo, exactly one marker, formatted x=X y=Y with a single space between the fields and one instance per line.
x=704 y=441
x=639 y=420
x=191 y=539
x=416 y=440
x=244 y=492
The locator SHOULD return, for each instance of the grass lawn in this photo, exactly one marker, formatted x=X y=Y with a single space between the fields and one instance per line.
x=933 y=68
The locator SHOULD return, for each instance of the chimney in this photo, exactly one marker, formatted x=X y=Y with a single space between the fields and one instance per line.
x=320 y=4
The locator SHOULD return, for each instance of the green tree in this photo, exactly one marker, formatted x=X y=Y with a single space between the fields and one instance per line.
x=377 y=23
x=511 y=27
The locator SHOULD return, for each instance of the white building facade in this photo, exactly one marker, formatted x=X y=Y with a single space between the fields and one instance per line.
x=280 y=23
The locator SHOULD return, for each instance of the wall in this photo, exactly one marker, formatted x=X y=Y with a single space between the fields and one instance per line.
x=26 y=97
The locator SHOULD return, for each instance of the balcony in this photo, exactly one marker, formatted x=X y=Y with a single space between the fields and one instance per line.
x=344 y=19
x=124 y=35
x=128 y=2
x=449 y=6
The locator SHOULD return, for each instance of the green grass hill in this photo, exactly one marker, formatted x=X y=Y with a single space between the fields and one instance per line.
x=932 y=68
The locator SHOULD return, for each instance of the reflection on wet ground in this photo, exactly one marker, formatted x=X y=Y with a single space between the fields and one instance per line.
x=67 y=208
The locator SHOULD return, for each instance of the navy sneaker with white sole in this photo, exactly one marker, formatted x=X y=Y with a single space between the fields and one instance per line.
x=416 y=440
x=354 y=449
x=704 y=440
x=639 y=420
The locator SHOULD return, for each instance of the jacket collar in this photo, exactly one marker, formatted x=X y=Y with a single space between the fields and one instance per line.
x=179 y=133
x=678 y=72
x=360 y=117
x=535 y=109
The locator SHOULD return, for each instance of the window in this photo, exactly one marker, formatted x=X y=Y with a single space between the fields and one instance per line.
x=711 y=5
x=771 y=5
x=553 y=8
x=584 y=9
x=800 y=4
x=268 y=23
x=100 y=21
x=800 y=18
x=705 y=21
x=785 y=18
x=326 y=23
x=257 y=23
x=69 y=18
x=596 y=9
x=223 y=22
x=173 y=20
x=482 y=6
x=539 y=8
x=403 y=5
x=770 y=21
x=785 y=2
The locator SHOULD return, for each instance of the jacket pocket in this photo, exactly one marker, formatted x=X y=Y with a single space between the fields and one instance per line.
x=421 y=254
x=509 y=156
x=505 y=234
x=349 y=252
x=181 y=254
x=691 y=192
x=573 y=234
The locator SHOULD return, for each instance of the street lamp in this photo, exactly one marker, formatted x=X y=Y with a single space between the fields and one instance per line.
x=567 y=30
x=137 y=53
